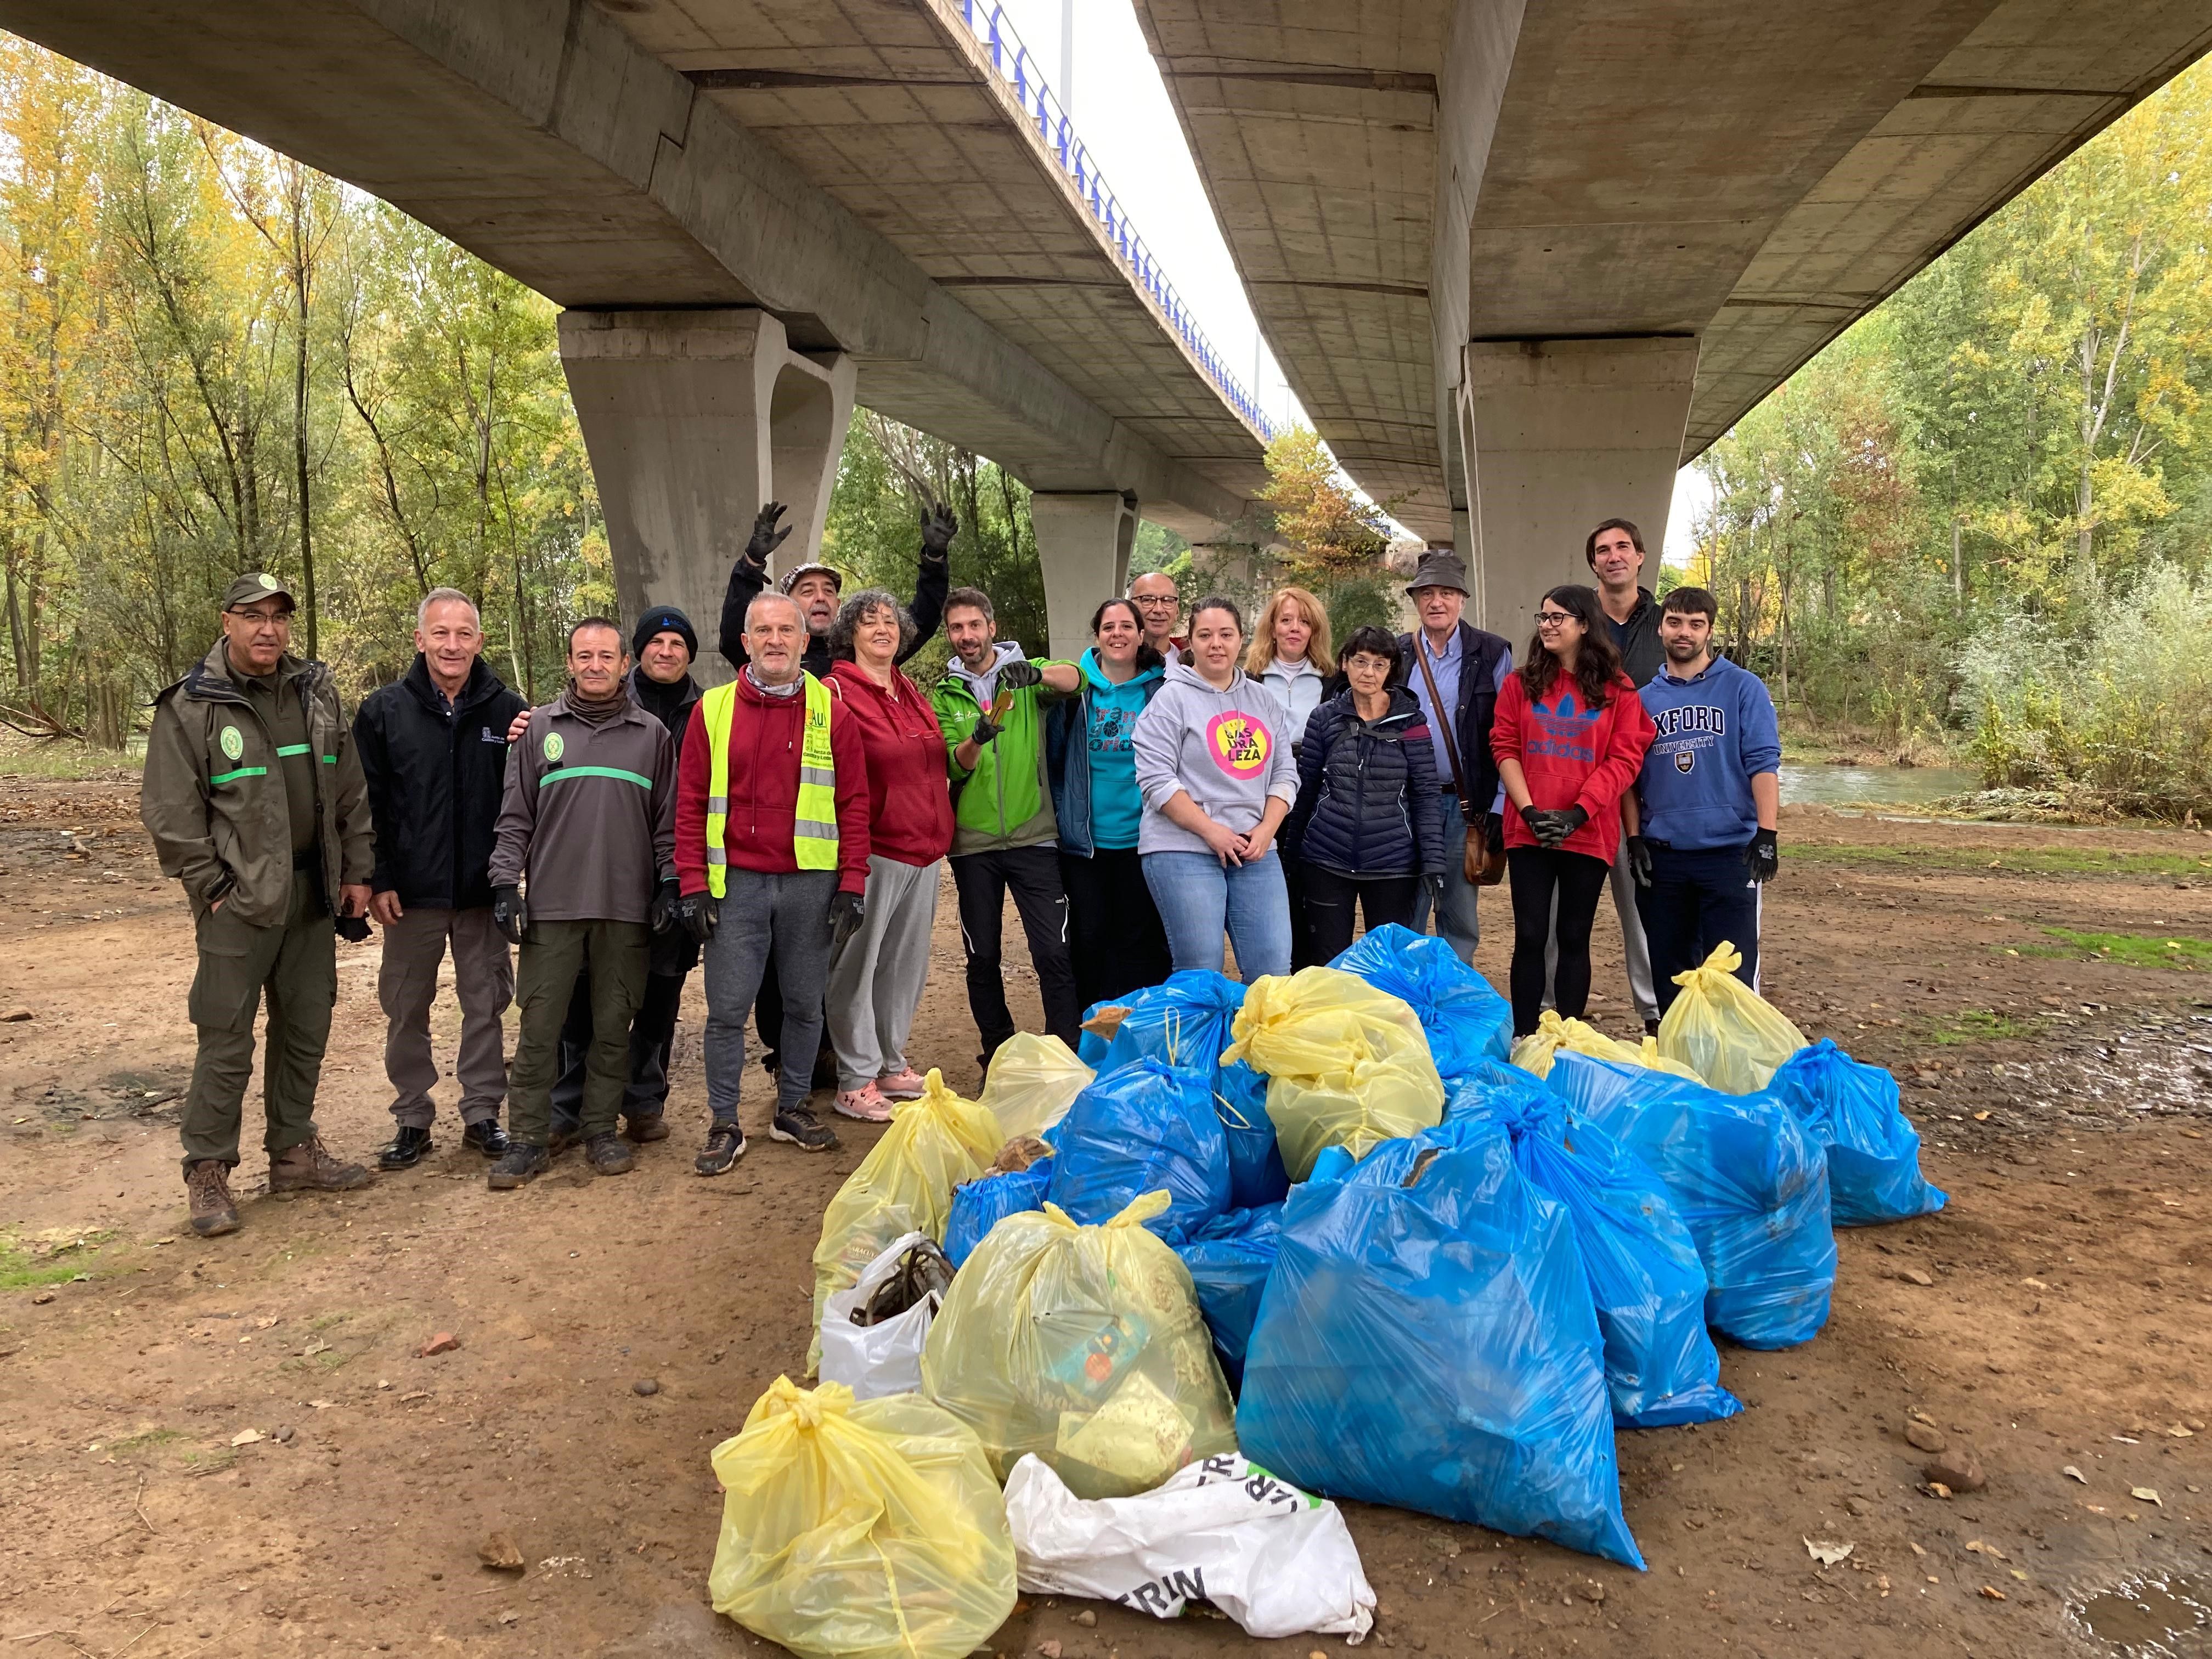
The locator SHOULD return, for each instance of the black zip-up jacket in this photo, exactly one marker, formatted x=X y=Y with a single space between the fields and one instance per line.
x=1637 y=640
x=1476 y=704
x=1366 y=790
x=434 y=783
x=930 y=584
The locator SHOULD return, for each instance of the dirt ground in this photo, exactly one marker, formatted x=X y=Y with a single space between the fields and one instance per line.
x=2054 y=1315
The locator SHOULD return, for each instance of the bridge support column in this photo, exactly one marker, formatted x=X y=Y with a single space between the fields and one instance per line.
x=1083 y=543
x=1560 y=435
x=693 y=419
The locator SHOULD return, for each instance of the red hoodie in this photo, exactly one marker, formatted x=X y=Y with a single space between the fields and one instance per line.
x=1570 y=754
x=909 y=793
x=766 y=734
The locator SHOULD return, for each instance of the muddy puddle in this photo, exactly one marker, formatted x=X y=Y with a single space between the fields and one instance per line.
x=2148 y=1617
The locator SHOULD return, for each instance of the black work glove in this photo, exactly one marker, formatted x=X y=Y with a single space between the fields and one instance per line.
x=938 y=527
x=766 y=536
x=846 y=912
x=696 y=914
x=1436 y=886
x=662 y=917
x=1538 y=820
x=508 y=913
x=1763 y=857
x=1562 y=825
x=353 y=929
x=1493 y=831
x=985 y=729
x=1019 y=675
x=1639 y=861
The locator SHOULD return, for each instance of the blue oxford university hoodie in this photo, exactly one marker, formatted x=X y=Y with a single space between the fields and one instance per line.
x=1715 y=732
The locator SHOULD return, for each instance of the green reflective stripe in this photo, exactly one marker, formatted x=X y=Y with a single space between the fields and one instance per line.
x=284 y=749
x=329 y=760
x=615 y=772
x=242 y=772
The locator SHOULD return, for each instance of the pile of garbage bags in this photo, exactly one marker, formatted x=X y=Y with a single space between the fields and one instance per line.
x=1334 y=1223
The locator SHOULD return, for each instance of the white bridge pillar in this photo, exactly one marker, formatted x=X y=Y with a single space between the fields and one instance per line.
x=693 y=420
x=1083 y=543
x=1560 y=435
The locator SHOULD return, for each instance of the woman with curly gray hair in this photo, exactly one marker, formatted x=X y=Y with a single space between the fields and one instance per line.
x=876 y=976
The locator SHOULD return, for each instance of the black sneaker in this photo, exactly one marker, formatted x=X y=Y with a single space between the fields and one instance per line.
x=609 y=1154
x=651 y=1127
x=486 y=1136
x=519 y=1167
x=797 y=1126
x=725 y=1144
x=406 y=1148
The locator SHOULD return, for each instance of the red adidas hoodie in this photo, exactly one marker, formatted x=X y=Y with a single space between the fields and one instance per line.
x=766 y=735
x=909 y=792
x=1570 y=754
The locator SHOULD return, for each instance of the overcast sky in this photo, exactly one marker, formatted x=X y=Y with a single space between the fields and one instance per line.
x=1120 y=109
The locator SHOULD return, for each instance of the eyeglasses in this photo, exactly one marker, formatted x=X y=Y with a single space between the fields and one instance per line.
x=1553 y=618
x=1147 y=601
x=265 y=618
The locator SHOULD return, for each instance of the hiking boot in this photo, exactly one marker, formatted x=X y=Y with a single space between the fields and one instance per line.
x=725 y=1144
x=561 y=1139
x=902 y=1085
x=651 y=1127
x=486 y=1136
x=865 y=1103
x=796 y=1124
x=607 y=1154
x=208 y=1186
x=518 y=1167
x=309 y=1168
x=406 y=1148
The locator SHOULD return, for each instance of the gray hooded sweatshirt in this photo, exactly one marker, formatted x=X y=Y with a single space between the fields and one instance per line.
x=1228 y=750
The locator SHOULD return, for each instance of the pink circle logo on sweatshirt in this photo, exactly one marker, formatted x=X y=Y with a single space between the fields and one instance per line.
x=1239 y=743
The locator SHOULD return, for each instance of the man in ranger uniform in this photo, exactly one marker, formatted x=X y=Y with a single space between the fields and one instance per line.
x=254 y=798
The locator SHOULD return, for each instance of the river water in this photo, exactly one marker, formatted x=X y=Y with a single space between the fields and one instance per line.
x=1890 y=785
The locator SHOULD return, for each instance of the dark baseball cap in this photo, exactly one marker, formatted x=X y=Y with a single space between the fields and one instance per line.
x=254 y=587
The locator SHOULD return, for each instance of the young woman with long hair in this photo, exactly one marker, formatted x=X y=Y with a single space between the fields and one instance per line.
x=1290 y=656
x=1570 y=737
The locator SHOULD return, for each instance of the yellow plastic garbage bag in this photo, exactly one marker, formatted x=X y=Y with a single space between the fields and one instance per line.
x=904 y=1185
x=1346 y=1065
x=1034 y=1079
x=1650 y=1057
x=1533 y=1053
x=1083 y=1344
x=1724 y=1030
x=868 y=1530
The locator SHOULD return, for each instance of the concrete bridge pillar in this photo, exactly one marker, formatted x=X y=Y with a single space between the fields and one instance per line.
x=693 y=419
x=1558 y=435
x=1083 y=543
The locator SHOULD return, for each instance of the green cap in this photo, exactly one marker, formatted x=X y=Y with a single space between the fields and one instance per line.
x=254 y=587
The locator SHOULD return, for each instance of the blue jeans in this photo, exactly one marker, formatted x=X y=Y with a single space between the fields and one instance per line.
x=1457 y=921
x=1197 y=896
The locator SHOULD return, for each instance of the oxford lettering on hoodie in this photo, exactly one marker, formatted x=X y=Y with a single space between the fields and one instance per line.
x=1715 y=732
x=1228 y=749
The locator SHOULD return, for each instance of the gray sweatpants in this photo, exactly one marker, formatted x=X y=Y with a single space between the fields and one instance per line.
x=875 y=980
x=1635 y=951
x=407 y=983
x=790 y=910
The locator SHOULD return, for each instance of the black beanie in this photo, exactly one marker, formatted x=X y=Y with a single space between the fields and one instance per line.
x=663 y=619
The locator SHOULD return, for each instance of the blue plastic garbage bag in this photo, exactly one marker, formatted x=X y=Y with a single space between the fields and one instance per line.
x=980 y=1204
x=1139 y=1128
x=1427 y=1340
x=1874 y=1151
x=1644 y=1274
x=1752 y=1186
x=1256 y=1175
x=1230 y=1262
x=1468 y=1021
x=1183 y=1021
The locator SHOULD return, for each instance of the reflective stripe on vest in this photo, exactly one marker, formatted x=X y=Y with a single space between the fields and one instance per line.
x=814 y=832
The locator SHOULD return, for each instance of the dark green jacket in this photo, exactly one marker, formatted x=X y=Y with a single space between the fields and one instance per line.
x=214 y=794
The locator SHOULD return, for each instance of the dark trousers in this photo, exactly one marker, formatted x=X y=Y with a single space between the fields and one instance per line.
x=1304 y=953
x=1032 y=875
x=1116 y=942
x=1576 y=879
x=652 y=1039
x=1329 y=898
x=768 y=1022
x=554 y=955
x=1695 y=902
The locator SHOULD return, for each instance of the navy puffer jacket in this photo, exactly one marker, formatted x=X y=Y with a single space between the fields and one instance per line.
x=1367 y=792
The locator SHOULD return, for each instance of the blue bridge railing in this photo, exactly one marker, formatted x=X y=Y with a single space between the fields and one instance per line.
x=1014 y=65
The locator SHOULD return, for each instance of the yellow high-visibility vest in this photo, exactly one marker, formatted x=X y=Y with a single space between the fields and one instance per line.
x=814 y=835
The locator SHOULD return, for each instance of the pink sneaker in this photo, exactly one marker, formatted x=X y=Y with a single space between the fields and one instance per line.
x=902 y=1085
x=864 y=1103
